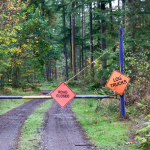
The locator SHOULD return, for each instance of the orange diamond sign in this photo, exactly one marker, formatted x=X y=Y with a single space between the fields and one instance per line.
x=63 y=94
x=117 y=82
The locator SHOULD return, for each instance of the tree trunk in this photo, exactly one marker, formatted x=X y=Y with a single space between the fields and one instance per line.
x=65 y=49
x=112 y=28
x=34 y=76
x=73 y=41
x=55 y=71
x=132 y=24
x=46 y=76
x=77 y=62
x=111 y=18
x=91 y=39
x=84 y=32
x=80 y=51
x=50 y=67
x=27 y=68
x=82 y=38
x=99 y=26
x=123 y=9
x=103 y=32
x=70 y=46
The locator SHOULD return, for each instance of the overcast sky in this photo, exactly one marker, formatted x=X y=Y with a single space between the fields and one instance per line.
x=115 y=3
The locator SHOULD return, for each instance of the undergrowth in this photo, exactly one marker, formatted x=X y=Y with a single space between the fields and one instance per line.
x=102 y=124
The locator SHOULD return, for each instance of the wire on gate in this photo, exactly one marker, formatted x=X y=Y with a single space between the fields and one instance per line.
x=90 y=63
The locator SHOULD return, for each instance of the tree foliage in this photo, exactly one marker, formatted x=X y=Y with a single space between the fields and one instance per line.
x=43 y=40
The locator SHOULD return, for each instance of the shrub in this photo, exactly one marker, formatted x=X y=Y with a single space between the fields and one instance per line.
x=143 y=135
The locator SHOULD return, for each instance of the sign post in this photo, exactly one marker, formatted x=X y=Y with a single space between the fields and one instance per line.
x=121 y=69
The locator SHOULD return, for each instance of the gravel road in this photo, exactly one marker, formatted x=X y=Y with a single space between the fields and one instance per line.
x=62 y=132
x=12 y=121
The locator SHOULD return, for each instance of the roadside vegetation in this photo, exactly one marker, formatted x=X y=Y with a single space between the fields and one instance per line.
x=103 y=125
x=28 y=90
x=8 y=104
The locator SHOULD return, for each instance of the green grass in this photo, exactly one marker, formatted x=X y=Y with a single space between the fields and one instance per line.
x=103 y=127
x=49 y=86
x=30 y=136
x=8 y=104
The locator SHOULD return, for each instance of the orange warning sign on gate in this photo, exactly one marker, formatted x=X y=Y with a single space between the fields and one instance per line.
x=63 y=94
x=117 y=82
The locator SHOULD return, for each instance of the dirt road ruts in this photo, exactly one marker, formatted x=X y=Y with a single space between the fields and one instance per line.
x=12 y=121
x=62 y=132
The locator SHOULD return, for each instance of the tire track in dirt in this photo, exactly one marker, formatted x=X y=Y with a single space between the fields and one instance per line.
x=12 y=122
x=62 y=132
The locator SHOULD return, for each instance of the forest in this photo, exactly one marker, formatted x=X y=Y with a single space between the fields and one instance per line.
x=53 y=40
x=46 y=42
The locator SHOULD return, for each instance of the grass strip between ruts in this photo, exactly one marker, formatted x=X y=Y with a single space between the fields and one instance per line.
x=30 y=136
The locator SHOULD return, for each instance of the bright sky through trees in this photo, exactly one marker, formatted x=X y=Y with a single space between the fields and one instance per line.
x=115 y=3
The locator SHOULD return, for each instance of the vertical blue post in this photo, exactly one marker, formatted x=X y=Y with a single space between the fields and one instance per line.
x=121 y=69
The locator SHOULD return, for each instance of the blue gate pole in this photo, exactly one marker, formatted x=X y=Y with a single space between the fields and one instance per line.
x=121 y=69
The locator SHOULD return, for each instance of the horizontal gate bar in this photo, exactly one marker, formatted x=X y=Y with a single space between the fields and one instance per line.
x=49 y=97
x=94 y=96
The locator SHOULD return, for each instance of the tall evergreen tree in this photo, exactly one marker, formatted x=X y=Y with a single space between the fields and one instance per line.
x=73 y=40
x=65 y=48
x=91 y=39
x=103 y=32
